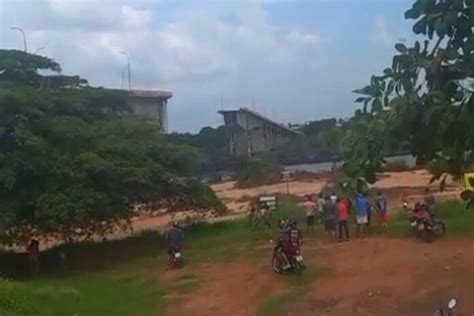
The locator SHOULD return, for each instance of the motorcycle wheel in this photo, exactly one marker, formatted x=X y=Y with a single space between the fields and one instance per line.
x=440 y=229
x=178 y=263
x=428 y=236
x=276 y=264
x=299 y=268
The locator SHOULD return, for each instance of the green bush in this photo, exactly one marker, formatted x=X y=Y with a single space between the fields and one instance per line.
x=255 y=173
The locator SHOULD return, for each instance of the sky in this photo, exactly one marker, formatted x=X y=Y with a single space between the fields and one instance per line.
x=293 y=61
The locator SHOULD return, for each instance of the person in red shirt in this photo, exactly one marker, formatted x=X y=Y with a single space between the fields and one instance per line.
x=342 y=214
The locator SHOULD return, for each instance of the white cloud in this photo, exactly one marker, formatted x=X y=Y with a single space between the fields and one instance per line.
x=196 y=53
x=382 y=34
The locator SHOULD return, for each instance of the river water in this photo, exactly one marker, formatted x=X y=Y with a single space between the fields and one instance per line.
x=326 y=166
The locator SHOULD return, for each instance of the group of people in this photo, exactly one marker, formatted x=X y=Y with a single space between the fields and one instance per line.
x=333 y=211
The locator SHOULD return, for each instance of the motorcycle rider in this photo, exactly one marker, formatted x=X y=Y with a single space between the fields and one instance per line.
x=295 y=238
x=289 y=241
x=421 y=213
x=430 y=201
x=281 y=243
x=174 y=238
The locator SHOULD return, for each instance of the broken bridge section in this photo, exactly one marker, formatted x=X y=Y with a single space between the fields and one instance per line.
x=250 y=133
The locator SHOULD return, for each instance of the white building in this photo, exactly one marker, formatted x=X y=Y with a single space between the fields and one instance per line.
x=152 y=103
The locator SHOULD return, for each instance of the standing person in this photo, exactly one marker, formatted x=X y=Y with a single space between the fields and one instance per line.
x=320 y=202
x=362 y=209
x=253 y=218
x=333 y=197
x=342 y=214
x=310 y=209
x=430 y=201
x=174 y=239
x=381 y=206
x=329 y=217
x=370 y=205
x=33 y=256
x=266 y=218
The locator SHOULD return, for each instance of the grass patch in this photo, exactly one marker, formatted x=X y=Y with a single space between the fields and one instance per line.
x=88 y=295
x=128 y=289
x=185 y=284
x=457 y=218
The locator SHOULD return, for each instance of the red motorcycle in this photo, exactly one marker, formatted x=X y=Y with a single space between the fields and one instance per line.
x=423 y=223
x=292 y=254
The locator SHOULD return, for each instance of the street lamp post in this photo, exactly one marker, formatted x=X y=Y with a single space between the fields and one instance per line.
x=122 y=81
x=128 y=69
x=19 y=29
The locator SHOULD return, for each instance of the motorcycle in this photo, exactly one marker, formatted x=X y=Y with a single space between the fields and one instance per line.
x=425 y=227
x=411 y=218
x=431 y=229
x=175 y=259
x=296 y=261
x=451 y=304
x=439 y=228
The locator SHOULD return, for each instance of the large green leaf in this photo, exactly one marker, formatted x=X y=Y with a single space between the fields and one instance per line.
x=420 y=26
x=401 y=48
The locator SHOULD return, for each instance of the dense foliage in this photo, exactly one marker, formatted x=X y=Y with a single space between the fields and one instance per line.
x=424 y=97
x=212 y=144
x=75 y=159
x=256 y=172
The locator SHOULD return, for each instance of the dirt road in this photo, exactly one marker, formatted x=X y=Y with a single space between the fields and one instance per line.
x=231 y=289
x=365 y=277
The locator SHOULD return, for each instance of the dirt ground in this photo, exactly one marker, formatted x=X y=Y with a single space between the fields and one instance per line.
x=364 y=277
x=231 y=289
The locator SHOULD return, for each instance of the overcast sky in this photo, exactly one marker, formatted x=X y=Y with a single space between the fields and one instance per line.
x=291 y=60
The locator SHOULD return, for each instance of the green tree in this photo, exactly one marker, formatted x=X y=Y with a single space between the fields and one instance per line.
x=422 y=98
x=74 y=160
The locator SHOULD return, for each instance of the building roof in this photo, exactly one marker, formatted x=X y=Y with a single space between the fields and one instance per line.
x=263 y=118
x=151 y=94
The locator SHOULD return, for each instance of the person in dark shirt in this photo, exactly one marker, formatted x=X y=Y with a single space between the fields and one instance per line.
x=430 y=201
x=174 y=238
x=382 y=209
x=33 y=255
x=329 y=213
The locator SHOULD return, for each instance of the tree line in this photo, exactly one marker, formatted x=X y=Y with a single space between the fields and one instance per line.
x=75 y=160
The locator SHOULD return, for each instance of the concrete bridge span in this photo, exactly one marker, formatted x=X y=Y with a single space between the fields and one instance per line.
x=250 y=133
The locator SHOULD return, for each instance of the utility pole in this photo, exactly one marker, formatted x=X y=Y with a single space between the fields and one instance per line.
x=19 y=29
x=128 y=68
x=122 y=81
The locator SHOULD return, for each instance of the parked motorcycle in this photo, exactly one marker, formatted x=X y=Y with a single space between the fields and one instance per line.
x=175 y=259
x=411 y=218
x=431 y=229
x=296 y=261
x=451 y=304
x=426 y=227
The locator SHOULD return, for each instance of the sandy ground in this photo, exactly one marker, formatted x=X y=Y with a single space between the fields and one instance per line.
x=237 y=200
x=364 y=277
x=391 y=183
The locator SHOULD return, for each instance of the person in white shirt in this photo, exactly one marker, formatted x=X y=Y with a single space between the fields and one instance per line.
x=310 y=208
